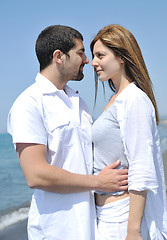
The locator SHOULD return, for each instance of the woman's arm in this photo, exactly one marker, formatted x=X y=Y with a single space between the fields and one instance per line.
x=138 y=130
x=136 y=210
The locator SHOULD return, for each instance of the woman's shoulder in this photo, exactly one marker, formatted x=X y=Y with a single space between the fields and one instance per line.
x=132 y=98
x=133 y=94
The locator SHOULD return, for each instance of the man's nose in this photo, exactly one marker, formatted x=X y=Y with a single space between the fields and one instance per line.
x=86 y=60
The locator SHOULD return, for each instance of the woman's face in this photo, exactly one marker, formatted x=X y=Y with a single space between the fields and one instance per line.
x=106 y=63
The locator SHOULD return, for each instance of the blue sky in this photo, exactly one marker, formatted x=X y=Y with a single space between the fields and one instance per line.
x=22 y=20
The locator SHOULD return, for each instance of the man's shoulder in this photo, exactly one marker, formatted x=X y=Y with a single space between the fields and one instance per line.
x=31 y=92
x=27 y=100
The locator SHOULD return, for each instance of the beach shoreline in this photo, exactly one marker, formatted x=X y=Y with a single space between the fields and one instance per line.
x=15 y=231
x=19 y=230
x=164 y=155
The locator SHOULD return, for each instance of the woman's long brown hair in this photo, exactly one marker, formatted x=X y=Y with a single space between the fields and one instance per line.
x=123 y=44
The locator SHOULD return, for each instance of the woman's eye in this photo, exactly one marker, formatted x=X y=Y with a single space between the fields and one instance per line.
x=100 y=55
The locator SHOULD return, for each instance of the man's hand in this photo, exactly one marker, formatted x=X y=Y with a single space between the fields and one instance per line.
x=41 y=175
x=113 y=179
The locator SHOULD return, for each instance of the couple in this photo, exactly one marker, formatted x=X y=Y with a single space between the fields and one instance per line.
x=52 y=132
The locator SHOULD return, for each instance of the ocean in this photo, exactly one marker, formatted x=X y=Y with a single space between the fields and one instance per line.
x=15 y=195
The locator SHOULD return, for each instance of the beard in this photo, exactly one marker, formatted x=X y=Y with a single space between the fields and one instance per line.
x=76 y=75
x=79 y=76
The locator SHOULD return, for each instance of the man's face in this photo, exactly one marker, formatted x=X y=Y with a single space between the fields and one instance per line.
x=74 y=64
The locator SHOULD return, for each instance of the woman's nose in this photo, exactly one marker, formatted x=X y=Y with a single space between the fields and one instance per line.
x=94 y=63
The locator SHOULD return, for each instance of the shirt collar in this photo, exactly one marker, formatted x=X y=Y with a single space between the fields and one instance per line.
x=70 y=92
x=45 y=85
x=48 y=87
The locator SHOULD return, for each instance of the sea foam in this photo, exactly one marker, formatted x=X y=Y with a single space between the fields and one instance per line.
x=13 y=216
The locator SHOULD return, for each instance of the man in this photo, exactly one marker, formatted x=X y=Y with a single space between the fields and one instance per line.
x=51 y=129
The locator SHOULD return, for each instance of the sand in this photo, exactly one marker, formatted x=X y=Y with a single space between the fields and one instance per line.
x=16 y=231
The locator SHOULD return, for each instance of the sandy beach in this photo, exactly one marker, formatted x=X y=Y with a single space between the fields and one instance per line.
x=18 y=231
x=15 y=232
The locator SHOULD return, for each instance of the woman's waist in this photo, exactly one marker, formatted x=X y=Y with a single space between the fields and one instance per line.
x=101 y=162
x=108 y=198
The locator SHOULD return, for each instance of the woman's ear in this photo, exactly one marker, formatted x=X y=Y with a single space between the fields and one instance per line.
x=57 y=56
x=122 y=60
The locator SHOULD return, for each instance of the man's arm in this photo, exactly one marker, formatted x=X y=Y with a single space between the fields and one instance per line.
x=41 y=175
x=136 y=210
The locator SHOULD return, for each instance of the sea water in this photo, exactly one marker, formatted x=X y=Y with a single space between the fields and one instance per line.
x=15 y=195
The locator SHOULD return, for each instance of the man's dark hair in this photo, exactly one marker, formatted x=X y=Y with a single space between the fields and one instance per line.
x=52 y=38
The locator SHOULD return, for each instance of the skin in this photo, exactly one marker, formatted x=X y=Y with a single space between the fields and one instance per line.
x=110 y=66
x=41 y=175
x=64 y=68
x=137 y=204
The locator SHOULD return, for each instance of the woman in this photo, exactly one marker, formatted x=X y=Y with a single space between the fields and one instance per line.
x=127 y=129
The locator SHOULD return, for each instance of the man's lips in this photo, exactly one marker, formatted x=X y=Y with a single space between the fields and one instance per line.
x=81 y=67
x=98 y=71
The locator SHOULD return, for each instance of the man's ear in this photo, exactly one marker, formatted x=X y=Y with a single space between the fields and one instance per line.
x=57 y=56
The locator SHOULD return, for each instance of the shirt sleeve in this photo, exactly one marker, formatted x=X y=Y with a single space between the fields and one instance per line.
x=139 y=140
x=25 y=122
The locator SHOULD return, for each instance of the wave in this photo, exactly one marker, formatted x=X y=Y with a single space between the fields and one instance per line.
x=14 y=215
x=163 y=122
x=164 y=145
x=162 y=128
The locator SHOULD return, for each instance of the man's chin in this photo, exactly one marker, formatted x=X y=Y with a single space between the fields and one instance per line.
x=79 y=77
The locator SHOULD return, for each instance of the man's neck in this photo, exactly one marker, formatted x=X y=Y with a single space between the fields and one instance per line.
x=54 y=78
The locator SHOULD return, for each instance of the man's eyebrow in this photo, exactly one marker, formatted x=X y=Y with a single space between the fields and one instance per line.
x=82 y=49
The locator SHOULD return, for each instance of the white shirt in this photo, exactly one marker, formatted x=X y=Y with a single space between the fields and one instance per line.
x=45 y=115
x=136 y=117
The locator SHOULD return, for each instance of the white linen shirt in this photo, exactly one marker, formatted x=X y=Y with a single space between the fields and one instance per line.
x=43 y=114
x=136 y=117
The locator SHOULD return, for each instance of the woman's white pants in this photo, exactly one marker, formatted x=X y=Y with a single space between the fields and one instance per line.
x=112 y=220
